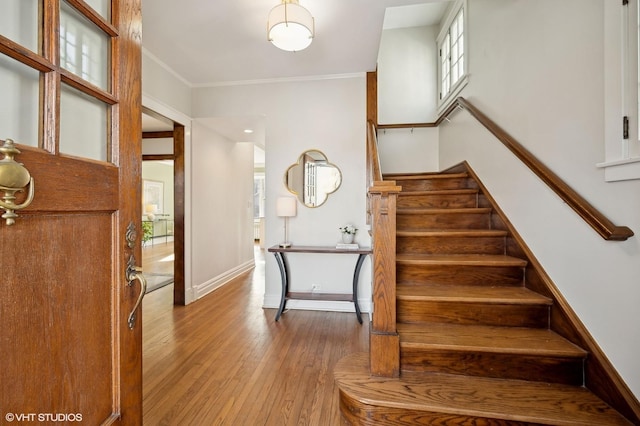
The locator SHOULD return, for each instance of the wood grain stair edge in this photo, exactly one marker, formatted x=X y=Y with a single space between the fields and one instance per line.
x=471 y=294
x=436 y=211
x=460 y=260
x=478 y=338
x=454 y=233
x=508 y=400
x=424 y=176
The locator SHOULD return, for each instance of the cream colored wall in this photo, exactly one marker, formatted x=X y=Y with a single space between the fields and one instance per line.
x=537 y=69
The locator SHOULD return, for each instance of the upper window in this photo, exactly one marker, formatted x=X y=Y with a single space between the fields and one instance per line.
x=622 y=87
x=452 y=69
x=63 y=84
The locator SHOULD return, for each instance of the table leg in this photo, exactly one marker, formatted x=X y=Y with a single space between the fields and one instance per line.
x=284 y=279
x=356 y=275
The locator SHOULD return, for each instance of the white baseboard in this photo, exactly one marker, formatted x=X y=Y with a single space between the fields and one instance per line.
x=207 y=287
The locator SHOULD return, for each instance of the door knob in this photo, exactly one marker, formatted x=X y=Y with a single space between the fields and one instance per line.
x=134 y=273
x=14 y=177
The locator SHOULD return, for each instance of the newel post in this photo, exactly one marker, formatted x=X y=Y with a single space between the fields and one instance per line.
x=384 y=341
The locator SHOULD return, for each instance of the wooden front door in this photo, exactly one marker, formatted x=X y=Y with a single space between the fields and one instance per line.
x=70 y=81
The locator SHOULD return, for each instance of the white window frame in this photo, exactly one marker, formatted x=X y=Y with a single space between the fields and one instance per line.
x=444 y=42
x=622 y=87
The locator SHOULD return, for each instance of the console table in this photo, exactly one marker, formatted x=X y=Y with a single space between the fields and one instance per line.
x=281 y=258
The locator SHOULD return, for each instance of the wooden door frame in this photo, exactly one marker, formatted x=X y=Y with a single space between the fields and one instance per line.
x=178 y=157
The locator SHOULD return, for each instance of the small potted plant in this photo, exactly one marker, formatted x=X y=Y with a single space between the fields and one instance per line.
x=147 y=232
x=348 y=233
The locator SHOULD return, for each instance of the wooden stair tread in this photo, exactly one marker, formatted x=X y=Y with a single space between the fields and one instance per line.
x=454 y=233
x=470 y=294
x=434 y=211
x=422 y=176
x=469 y=397
x=480 y=338
x=460 y=259
x=439 y=192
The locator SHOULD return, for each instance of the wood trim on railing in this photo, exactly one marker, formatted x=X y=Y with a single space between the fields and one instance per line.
x=384 y=341
x=406 y=125
x=598 y=221
x=374 y=173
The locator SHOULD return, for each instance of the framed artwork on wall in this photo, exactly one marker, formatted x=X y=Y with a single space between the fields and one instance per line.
x=152 y=196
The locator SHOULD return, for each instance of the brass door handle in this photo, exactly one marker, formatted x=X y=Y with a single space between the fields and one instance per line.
x=134 y=273
x=14 y=177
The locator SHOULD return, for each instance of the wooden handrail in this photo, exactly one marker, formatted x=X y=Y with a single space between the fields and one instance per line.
x=598 y=221
x=374 y=172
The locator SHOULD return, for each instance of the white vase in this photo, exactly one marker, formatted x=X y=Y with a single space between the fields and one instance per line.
x=347 y=238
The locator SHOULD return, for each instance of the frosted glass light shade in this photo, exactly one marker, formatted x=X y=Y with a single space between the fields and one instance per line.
x=290 y=26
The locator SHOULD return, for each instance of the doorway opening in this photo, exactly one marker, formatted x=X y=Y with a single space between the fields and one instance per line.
x=163 y=204
x=157 y=223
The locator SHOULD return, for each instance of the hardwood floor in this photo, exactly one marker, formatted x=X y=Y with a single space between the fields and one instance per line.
x=158 y=258
x=223 y=360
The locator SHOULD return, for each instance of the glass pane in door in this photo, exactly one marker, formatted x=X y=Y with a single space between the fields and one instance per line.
x=19 y=22
x=84 y=48
x=19 y=109
x=103 y=7
x=83 y=125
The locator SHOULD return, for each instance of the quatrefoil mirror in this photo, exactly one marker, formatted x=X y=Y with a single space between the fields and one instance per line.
x=312 y=178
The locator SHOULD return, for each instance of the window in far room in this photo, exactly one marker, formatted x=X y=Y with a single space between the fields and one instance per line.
x=452 y=67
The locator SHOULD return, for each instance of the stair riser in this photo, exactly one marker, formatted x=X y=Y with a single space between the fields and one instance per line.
x=480 y=313
x=461 y=275
x=450 y=245
x=415 y=222
x=435 y=184
x=357 y=413
x=438 y=201
x=551 y=369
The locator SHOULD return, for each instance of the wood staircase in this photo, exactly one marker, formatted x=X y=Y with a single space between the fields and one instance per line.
x=480 y=337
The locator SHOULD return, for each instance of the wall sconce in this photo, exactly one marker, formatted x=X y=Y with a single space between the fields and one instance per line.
x=286 y=207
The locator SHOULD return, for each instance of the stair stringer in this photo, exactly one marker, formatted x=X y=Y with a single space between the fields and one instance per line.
x=600 y=376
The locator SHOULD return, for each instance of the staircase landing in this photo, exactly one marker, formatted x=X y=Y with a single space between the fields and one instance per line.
x=428 y=399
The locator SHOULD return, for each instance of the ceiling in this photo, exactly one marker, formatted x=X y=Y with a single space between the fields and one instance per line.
x=215 y=42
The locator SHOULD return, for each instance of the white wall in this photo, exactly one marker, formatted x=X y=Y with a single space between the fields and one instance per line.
x=407 y=75
x=222 y=210
x=407 y=93
x=409 y=150
x=328 y=115
x=537 y=69
x=163 y=85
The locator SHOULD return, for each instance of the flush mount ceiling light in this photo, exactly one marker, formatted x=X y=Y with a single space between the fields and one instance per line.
x=290 y=26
